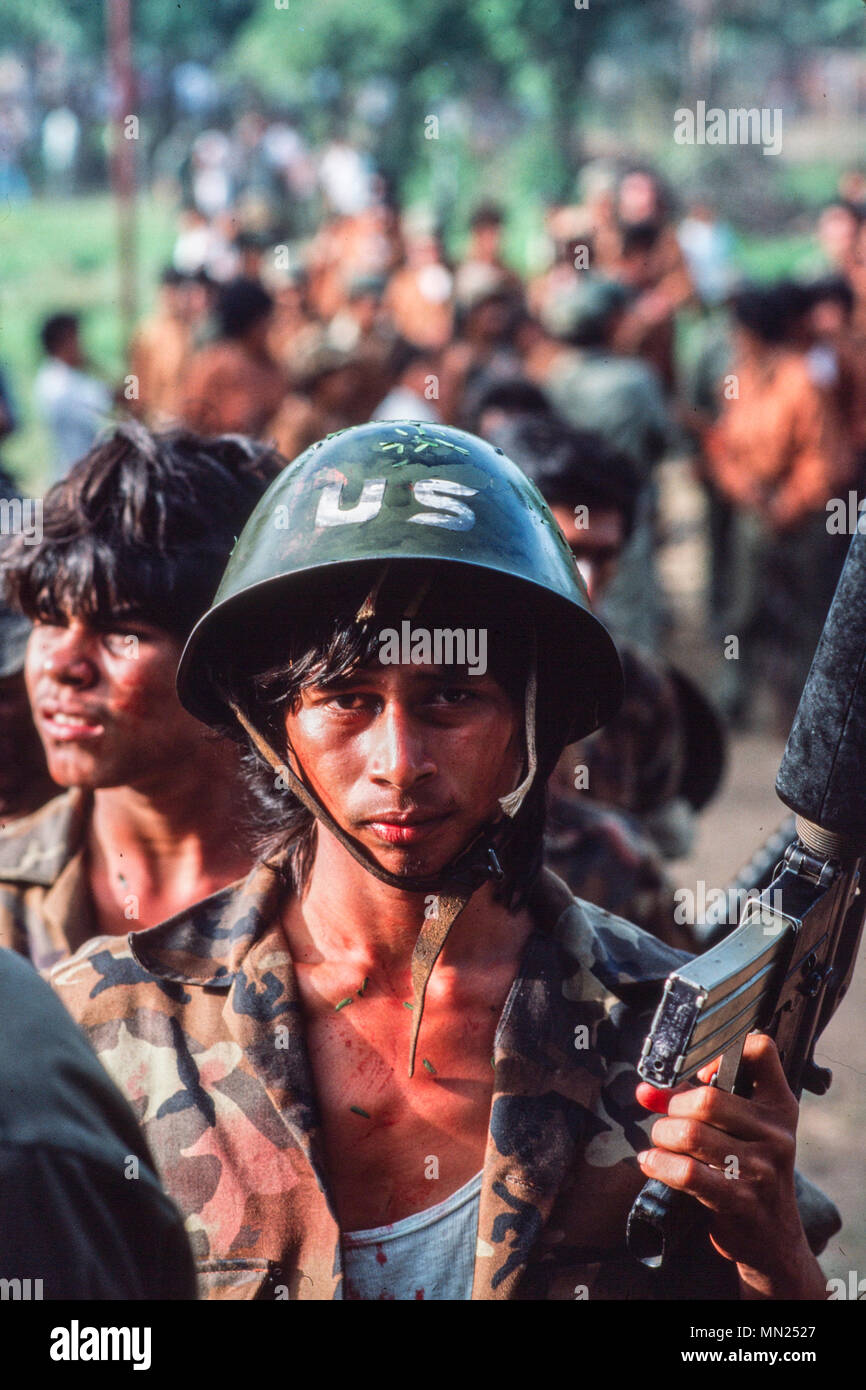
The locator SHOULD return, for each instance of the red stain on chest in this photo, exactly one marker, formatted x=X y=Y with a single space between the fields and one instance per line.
x=381 y=1257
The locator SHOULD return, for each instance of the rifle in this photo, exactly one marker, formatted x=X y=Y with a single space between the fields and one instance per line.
x=719 y=919
x=787 y=966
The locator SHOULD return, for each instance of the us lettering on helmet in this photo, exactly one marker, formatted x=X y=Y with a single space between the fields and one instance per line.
x=369 y=504
x=440 y=494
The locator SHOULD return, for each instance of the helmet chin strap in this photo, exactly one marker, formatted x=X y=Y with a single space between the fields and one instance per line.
x=453 y=886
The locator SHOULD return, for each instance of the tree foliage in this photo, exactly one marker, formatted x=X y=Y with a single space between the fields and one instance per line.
x=526 y=68
x=178 y=29
x=533 y=53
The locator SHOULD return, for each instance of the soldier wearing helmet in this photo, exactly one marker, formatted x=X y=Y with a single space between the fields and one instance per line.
x=397 y=1061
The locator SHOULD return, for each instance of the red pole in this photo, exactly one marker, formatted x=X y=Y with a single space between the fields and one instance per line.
x=124 y=122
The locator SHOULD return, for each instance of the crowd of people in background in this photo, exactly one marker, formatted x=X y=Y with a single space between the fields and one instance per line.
x=580 y=372
x=369 y=317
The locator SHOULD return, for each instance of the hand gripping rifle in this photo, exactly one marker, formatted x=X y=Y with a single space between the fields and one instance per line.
x=787 y=966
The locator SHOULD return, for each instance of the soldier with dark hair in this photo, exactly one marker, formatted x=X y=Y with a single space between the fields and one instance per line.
x=241 y=305
x=403 y=640
x=133 y=543
x=507 y=400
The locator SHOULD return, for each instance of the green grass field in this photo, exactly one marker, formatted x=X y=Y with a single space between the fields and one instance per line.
x=57 y=256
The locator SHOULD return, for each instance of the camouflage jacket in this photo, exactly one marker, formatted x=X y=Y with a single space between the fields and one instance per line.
x=46 y=911
x=635 y=762
x=665 y=745
x=604 y=856
x=199 y=1021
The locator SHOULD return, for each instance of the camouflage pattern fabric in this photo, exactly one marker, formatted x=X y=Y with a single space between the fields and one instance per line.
x=46 y=911
x=605 y=857
x=199 y=1021
x=636 y=761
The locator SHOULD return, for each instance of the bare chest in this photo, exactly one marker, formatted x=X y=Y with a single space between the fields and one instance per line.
x=396 y=1145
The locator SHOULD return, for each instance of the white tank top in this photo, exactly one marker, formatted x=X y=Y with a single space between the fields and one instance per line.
x=428 y=1255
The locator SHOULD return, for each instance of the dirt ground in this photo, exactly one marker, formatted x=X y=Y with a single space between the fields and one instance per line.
x=832 y=1127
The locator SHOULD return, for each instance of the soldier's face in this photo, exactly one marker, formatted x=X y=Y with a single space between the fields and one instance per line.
x=104 y=703
x=409 y=760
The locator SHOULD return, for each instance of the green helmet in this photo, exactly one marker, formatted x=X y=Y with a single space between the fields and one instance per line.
x=392 y=491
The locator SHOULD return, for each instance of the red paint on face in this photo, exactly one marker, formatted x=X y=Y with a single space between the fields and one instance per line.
x=410 y=760
x=104 y=702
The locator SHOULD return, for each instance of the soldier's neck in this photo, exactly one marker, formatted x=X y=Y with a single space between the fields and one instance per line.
x=191 y=821
x=344 y=912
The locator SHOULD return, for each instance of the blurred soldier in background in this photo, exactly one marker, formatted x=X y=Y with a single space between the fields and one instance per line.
x=419 y=294
x=621 y=800
x=660 y=757
x=595 y=387
x=161 y=349
x=777 y=453
x=327 y=384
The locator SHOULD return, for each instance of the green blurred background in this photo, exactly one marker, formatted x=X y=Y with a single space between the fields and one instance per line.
x=525 y=93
